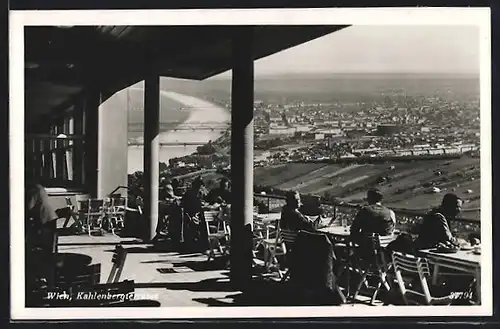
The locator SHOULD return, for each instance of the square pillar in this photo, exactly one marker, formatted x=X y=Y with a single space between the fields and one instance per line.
x=151 y=152
x=242 y=99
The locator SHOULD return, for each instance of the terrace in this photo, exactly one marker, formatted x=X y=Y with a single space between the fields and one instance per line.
x=63 y=98
x=166 y=276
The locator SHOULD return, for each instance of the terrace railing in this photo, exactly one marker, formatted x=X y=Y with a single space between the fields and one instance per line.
x=406 y=220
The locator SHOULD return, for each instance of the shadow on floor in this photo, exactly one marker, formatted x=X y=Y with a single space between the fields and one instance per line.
x=110 y=243
x=138 y=303
x=203 y=265
x=207 y=285
x=271 y=293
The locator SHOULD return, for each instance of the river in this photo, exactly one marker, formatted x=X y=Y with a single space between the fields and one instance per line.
x=200 y=111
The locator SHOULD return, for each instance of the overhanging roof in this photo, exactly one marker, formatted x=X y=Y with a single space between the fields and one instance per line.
x=62 y=61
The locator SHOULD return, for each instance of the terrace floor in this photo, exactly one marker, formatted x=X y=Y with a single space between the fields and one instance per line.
x=177 y=279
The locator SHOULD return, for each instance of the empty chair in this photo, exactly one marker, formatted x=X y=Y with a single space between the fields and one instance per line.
x=273 y=248
x=93 y=213
x=412 y=274
x=116 y=213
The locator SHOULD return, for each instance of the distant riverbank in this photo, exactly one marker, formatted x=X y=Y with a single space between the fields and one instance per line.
x=199 y=111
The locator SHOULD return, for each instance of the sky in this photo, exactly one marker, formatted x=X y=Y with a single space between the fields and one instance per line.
x=381 y=49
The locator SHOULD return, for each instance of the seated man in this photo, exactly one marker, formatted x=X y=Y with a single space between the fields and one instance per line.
x=292 y=218
x=373 y=218
x=222 y=194
x=435 y=227
x=41 y=217
x=40 y=235
x=168 y=206
x=312 y=207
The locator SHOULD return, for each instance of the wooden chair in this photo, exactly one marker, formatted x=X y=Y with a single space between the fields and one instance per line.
x=369 y=260
x=116 y=213
x=93 y=211
x=288 y=237
x=416 y=270
x=217 y=230
x=275 y=247
x=69 y=211
x=118 y=260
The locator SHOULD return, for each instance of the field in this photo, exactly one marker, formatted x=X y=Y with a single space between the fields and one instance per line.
x=405 y=185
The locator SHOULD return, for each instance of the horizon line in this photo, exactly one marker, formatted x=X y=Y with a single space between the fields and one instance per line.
x=274 y=75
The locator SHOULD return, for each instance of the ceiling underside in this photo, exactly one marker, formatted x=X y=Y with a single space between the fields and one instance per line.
x=62 y=62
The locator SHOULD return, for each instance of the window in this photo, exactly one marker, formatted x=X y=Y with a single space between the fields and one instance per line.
x=55 y=155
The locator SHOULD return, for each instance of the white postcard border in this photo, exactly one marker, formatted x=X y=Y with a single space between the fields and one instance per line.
x=336 y=16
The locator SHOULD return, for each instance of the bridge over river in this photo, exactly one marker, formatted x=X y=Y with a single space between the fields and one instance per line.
x=190 y=126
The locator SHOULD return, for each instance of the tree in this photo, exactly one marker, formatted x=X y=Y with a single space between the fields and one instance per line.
x=163 y=166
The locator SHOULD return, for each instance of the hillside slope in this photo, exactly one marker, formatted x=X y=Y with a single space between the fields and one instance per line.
x=406 y=185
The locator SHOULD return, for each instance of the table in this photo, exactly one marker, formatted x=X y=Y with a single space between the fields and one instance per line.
x=269 y=218
x=463 y=260
x=336 y=230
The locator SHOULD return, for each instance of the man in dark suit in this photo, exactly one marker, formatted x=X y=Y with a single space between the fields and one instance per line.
x=373 y=218
x=312 y=207
x=291 y=217
x=435 y=227
x=222 y=194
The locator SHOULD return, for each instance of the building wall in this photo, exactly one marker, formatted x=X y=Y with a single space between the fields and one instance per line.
x=113 y=148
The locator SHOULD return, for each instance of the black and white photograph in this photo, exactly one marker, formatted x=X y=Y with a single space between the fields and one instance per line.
x=185 y=164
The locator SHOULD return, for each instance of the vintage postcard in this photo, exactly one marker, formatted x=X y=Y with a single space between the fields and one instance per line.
x=183 y=164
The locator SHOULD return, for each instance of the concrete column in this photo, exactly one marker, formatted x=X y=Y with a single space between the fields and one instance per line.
x=242 y=98
x=151 y=151
x=77 y=145
x=92 y=141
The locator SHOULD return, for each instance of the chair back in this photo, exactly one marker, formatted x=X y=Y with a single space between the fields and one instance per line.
x=409 y=266
x=211 y=215
x=369 y=250
x=92 y=206
x=288 y=236
x=312 y=267
x=107 y=205
x=212 y=222
x=119 y=202
x=118 y=205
